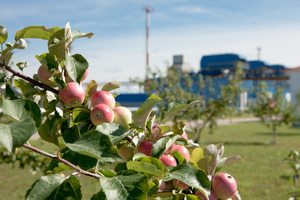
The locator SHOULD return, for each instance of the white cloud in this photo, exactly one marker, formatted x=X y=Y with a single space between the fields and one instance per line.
x=190 y=9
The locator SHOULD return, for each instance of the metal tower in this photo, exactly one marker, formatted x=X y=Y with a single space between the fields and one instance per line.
x=148 y=10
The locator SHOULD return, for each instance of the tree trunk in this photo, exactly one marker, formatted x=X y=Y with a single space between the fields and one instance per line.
x=274 y=133
x=199 y=131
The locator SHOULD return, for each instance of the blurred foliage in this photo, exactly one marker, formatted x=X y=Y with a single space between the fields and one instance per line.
x=179 y=85
x=25 y=158
x=293 y=161
x=273 y=110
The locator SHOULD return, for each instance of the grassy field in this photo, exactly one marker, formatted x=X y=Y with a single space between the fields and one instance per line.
x=258 y=175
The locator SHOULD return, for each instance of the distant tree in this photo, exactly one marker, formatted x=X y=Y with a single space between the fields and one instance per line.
x=176 y=84
x=273 y=110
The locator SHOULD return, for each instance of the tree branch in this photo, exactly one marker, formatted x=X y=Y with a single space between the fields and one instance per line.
x=60 y=159
x=41 y=85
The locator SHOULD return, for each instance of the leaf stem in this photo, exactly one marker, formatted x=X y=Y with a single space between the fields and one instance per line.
x=60 y=159
x=41 y=85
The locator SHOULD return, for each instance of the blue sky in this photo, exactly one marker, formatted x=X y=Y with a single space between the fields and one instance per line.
x=190 y=27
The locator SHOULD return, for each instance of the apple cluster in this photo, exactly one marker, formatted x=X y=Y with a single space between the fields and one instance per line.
x=104 y=109
x=167 y=159
x=224 y=185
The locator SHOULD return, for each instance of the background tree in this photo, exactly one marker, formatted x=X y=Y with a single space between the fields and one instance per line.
x=177 y=85
x=273 y=110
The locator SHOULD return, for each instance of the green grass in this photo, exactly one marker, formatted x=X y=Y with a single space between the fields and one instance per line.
x=258 y=175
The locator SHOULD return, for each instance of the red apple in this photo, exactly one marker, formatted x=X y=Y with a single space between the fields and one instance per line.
x=145 y=147
x=103 y=97
x=44 y=75
x=183 y=151
x=72 y=95
x=162 y=185
x=86 y=73
x=224 y=185
x=179 y=184
x=102 y=113
x=212 y=195
x=168 y=160
x=122 y=116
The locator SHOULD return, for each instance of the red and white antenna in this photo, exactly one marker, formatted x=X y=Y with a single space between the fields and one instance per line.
x=148 y=10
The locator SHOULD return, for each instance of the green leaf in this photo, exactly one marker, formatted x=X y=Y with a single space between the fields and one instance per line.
x=2 y=78
x=70 y=134
x=177 y=106
x=140 y=117
x=83 y=161
x=126 y=186
x=115 y=132
x=198 y=158
x=192 y=197
x=3 y=34
x=163 y=144
x=69 y=189
x=111 y=86
x=10 y=93
x=215 y=152
x=178 y=128
x=57 y=44
x=99 y=196
x=96 y=145
x=224 y=161
x=76 y=65
x=147 y=165
x=22 y=131
x=41 y=32
x=21 y=109
x=91 y=88
x=6 y=137
x=48 y=60
x=43 y=187
x=22 y=65
x=48 y=131
x=15 y=134
x=81 y=115
x=153 y=187
x=79 y=34
x=179 y=158
x=192 y=176
x=25 y=87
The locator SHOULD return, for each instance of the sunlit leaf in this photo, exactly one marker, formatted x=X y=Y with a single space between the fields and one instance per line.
x=125 y=186
x=96 y=145
x=41 y=32
x=3 y=34
x=76 y=65
x=140 y=117
x=111 y=86
x=177 y=106
x=191 y=176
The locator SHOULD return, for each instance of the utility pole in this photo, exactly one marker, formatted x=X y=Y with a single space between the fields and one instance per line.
x=258 y=53
x=148 y=10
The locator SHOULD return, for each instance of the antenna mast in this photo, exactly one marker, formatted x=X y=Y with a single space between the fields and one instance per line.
x=148 y=10
x=258 y=52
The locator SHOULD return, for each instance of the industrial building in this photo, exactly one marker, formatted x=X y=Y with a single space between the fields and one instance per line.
x=215 y=71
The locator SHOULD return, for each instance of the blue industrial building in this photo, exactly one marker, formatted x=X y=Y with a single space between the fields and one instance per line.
x=215 y=71
x=220 y=67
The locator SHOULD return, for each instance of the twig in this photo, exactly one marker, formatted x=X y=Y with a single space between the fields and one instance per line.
x=60 y=159
x=41 y=85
